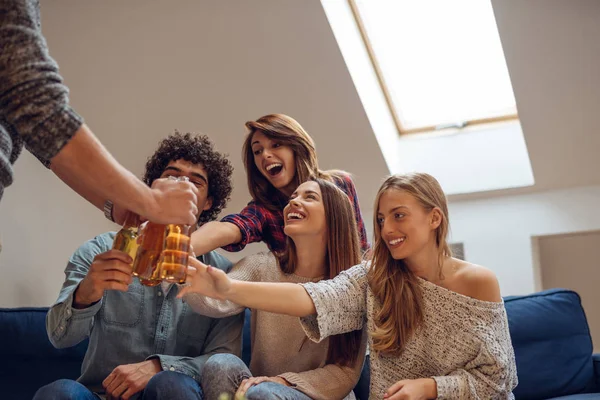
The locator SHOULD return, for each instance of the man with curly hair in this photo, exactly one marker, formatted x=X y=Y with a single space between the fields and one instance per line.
x=143 y=341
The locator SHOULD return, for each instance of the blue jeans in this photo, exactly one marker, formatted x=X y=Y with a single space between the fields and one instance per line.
x=165 y=385
x=223 y=373
x=64 y=389
x=169 y=385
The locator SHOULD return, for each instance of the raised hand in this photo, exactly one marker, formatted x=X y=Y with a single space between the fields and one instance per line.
x=110 y=270
x=206 y=280
x=173 y=202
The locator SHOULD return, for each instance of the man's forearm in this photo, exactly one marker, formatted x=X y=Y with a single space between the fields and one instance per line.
x=87 y=167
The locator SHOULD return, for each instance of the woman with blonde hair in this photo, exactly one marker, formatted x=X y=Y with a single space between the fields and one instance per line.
x=437 y=325
x=322 y=241
x=278 y=156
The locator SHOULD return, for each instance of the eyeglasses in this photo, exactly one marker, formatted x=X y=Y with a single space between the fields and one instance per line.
x=183 y=178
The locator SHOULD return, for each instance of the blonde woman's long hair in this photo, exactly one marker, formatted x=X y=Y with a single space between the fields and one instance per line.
x=395 y=287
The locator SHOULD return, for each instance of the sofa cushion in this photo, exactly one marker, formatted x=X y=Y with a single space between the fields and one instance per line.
x=29 y=360
x=27 y=329
x=552 y=342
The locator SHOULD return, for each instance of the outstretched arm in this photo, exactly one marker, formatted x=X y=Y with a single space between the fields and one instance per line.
x=87 y=167
x=281 y=298
x=213 y=235
x=35 y=109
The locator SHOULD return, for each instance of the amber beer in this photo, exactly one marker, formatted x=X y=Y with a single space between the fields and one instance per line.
x=174 y=261
x=163 y=252
x=146 y=265
x=126 y=238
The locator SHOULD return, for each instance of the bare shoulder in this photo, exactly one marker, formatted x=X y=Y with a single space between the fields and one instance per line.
x=477 y=282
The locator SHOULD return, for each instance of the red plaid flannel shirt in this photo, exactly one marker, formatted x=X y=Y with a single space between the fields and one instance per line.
x=257 y=223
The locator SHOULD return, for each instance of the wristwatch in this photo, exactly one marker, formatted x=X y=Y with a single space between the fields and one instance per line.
x=108 y=210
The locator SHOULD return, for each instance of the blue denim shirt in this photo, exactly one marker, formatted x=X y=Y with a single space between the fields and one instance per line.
x=142 y=323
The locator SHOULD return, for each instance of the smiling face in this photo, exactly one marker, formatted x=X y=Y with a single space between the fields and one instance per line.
x=406 y=227
x=305 y=213
x=275 y=161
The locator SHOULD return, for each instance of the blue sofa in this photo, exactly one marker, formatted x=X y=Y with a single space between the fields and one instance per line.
x=553 y=347
x=549 y=331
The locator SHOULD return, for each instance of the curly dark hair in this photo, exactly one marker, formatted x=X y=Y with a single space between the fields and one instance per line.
x=197 y=149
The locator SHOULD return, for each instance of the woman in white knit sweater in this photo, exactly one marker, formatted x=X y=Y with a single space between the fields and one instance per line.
x=437 y=325
x=322 y=241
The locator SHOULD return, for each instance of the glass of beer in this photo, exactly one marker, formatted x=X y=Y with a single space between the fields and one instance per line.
x=174 y=260
x=147 y=261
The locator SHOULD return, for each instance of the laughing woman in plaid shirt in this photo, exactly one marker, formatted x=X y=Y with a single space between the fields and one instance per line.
x=278 y=156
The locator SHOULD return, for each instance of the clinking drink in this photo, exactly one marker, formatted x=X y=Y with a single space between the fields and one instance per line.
x=126 y=239
x=146 y=265
x=174 y=261
x=163 y=252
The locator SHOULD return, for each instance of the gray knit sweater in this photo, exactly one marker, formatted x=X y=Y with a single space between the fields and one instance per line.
x=34 y=103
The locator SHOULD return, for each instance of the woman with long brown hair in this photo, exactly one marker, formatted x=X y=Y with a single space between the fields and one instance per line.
x=322 y=241
x=278 y=156
x=437 y=325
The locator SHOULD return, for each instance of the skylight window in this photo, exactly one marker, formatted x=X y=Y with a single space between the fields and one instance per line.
x=440 y=63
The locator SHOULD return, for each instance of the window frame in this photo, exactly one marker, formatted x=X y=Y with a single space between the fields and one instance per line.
x=388 y=96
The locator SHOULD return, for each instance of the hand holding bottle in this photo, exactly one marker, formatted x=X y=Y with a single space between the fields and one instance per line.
x=110 y=270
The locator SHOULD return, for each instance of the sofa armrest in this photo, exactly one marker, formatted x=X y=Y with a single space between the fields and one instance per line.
x=596 y=361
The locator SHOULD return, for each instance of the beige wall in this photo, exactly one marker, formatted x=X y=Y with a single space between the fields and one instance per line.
x=571 y=261
x=139 y=69
x=497 y=232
